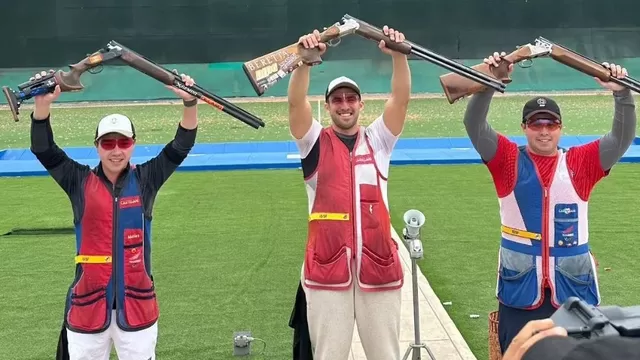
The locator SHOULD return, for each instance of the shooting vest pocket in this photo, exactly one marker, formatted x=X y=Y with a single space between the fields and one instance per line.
x=140 y=303
x=575 y=276
x=88 y=299
x=327 y=250
x=379 y=263
x=378 y=271
x=517 y=278
x=566 y=225
x=335 y=270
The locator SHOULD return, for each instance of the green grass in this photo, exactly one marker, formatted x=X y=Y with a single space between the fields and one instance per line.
x=228 y=245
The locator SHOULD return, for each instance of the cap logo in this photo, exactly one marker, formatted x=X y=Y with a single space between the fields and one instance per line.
x=114 y=120
x=542 y=102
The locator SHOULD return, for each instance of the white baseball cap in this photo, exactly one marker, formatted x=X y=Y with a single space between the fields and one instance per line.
x=339 y=82
x=115 y=123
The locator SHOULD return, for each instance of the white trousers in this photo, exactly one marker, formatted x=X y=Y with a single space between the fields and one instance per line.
x=331 y=316
x=137 y=345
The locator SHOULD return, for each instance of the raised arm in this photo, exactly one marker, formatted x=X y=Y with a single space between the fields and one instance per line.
x=483 y=137
x=300 y=111
x=155 y=172
x=395 y=109
x=67 y=172
x=615 y=143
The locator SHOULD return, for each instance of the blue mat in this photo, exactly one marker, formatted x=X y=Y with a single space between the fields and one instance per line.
x=281 y=155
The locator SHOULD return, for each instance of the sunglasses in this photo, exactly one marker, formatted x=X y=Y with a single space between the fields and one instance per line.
x=538 y=125
x=110 y=144
x=348 y=98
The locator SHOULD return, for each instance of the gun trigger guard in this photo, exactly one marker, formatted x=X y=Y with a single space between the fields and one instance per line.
x=521 y=63
x=96 y=69
x=333 y=42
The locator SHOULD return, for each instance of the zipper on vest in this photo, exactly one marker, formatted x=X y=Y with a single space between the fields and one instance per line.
x=114 y=245
x=354 y=243
x=545 y=239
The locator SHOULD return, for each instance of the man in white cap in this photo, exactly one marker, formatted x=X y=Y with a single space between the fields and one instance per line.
x=352 y=272
x=112 y=299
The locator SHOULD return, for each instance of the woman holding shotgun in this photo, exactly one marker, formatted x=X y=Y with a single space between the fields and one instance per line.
x=543 y=192
x=112 y=299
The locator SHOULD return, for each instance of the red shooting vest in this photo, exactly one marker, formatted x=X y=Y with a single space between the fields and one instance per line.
x=112 y=262
x=349 y=221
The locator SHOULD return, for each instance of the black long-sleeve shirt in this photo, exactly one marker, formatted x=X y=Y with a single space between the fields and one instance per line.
x=70 y=174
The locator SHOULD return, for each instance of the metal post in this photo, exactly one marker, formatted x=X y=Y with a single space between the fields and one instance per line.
x=414 y=219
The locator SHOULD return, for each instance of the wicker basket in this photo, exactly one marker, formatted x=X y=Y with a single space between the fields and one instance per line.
x=494 y=342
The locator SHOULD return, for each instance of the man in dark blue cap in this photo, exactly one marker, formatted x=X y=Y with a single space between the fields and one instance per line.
x=543 y=193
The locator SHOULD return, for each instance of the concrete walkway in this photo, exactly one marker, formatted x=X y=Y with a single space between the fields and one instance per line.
x=437 y=330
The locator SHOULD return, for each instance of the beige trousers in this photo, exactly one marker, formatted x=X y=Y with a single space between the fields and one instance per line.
x=331 y=316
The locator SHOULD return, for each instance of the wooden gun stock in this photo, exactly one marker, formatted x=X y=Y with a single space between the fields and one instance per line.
x=69 y=81
x=587 y=65
x=265 y=71
x=456 y=86
x=580 y=63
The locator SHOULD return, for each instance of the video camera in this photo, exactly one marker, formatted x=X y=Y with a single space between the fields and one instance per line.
x=584 y=321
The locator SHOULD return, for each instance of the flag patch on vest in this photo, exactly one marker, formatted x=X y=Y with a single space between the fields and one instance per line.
x=129 y=202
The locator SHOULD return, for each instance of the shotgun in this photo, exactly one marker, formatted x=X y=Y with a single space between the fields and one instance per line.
x=70 y=81
x=265 y=71
x=456 y=87
x=406 y=47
